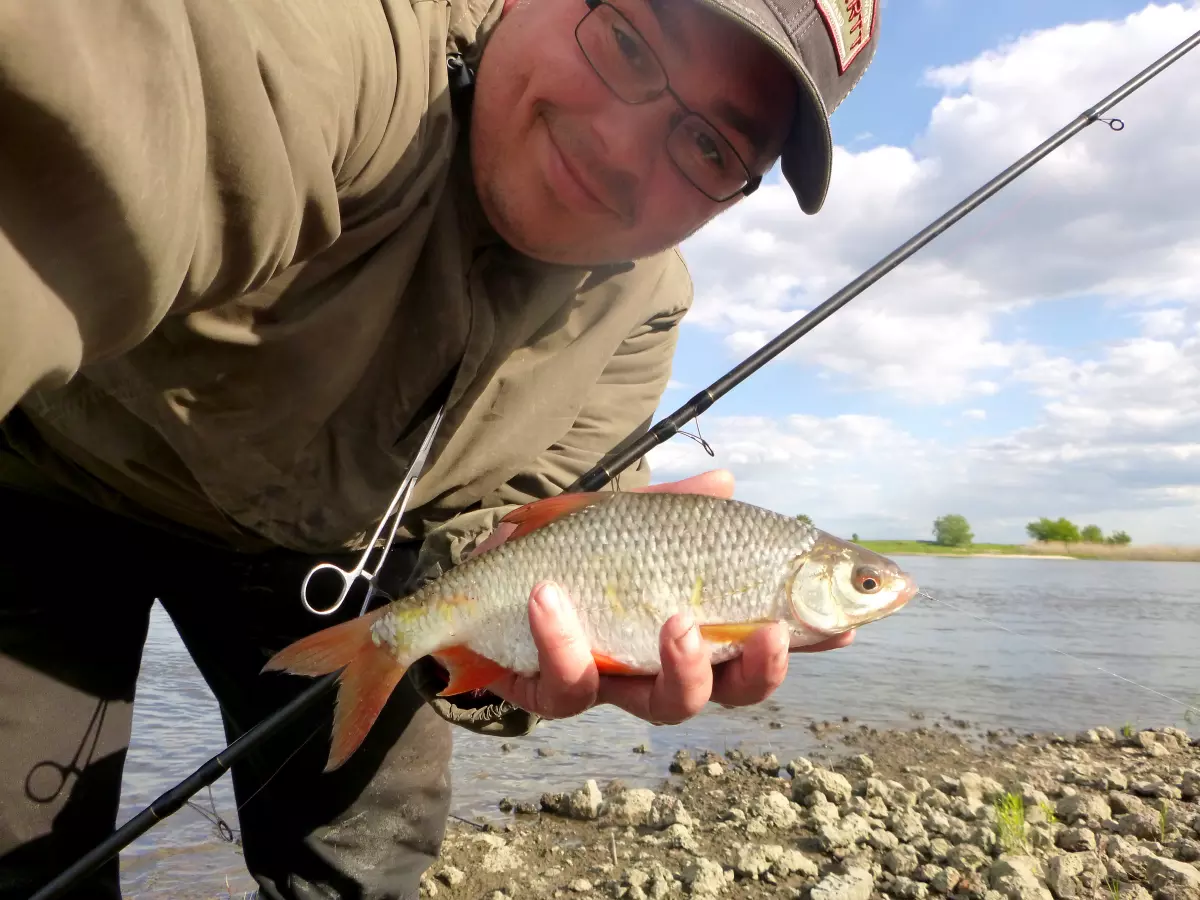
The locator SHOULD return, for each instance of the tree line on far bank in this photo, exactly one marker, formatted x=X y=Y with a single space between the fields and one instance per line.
x=953 y=530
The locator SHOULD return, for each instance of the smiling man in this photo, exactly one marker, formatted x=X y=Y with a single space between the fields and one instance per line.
x=247 y=251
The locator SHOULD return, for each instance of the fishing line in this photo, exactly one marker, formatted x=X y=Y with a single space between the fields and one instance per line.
x=1082 y=662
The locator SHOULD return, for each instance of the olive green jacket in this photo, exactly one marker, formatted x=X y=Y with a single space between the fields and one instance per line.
x=242 y=263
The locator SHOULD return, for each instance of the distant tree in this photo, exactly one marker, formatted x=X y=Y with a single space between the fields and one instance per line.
x=807 y=520
x=1053 y=530
x=854 y=537
x=1118 y=537
x=952 y=531
x=1091 y=534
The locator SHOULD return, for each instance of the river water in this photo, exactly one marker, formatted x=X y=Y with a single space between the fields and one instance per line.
x=1138 y=620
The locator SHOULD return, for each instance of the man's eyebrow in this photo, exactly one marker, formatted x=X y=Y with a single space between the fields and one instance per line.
x=755 y=131
x=752 y=127
x=668 y=23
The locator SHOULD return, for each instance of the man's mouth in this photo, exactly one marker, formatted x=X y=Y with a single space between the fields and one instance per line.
x=573 y=179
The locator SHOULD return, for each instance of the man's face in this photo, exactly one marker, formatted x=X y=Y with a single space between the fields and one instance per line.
x=567 y=172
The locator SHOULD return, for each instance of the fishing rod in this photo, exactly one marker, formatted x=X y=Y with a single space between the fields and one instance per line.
x=596 y=477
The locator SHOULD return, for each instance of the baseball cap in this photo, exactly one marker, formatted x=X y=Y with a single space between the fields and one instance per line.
x=828 y=45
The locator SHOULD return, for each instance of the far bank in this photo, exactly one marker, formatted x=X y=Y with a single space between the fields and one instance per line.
x=1055 y=550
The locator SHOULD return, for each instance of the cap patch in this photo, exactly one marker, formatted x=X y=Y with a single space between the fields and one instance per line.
x=850 y=23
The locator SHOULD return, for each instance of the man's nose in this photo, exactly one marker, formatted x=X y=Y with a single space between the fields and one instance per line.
x=633 y=138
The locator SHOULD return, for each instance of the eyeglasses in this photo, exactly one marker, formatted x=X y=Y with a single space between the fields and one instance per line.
x=625 y=62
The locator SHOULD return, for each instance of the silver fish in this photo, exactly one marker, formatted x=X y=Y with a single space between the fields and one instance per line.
x=628 y=561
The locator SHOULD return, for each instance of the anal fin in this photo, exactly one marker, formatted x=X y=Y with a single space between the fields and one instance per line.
x=606 y=665
x=467 y=669
x=731 y=632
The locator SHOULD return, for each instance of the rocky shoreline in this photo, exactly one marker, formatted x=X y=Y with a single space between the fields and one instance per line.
x=909 y=814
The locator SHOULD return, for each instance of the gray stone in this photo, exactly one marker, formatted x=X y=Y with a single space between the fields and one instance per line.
x=967 y=858
x=824 y=814
x=631 y=806
x=883 y=840
x=1019 y=878
x=774 y=808
x=939 y=848
x=753 y=860
x=906 y=825
x=1074 y=874
x=1143 y=825
x=1178 y=880
x=856 y=884
x=667 y=810
x=1187 y=850
x=970 y=788
x=1076 y=839
x=705 y=878
x=907 y=889
x=834 y=786
x=793 y=862
x=580 y=885
x=680 y=837
x=799 y=766
x=945 y=880
x=451 y=877
x=901 y=861
x=499 y=856
x=586 y=802
x=1083 y=808
x=1191 y=785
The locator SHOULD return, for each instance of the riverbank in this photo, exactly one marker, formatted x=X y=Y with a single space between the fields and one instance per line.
x=1127 y=552
x=910 y=814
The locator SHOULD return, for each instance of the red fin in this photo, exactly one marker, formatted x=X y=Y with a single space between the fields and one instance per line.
x=606 y=665
x=730 y=632
x=468 y=670
x=534 y=515
x=370 y=674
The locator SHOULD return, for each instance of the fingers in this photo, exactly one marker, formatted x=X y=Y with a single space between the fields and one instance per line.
x=681 y=688
x=716 y=483
x=753 y=676
x=567 y=681
x=833 y=643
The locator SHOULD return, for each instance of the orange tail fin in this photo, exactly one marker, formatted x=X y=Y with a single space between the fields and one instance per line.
x=370 y=674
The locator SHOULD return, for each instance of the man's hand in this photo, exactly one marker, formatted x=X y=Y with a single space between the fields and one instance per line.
x=568 y=682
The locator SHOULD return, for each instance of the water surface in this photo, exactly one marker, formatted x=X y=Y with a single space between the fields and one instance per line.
x=1140 y=620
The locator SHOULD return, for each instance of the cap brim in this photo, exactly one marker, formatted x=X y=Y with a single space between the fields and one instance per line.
x=807 y=157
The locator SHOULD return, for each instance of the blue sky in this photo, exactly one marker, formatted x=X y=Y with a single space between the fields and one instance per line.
x=1023 y=347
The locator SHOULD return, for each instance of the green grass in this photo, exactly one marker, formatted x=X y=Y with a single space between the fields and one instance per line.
x=1144 y=552
x=1010 y=822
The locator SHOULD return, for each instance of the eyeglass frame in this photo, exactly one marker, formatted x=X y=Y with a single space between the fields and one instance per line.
x=752 y=181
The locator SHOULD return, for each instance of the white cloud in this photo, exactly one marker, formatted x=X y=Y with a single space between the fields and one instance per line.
x=1117 y=444
x=1109 y=214
x=1109 y=218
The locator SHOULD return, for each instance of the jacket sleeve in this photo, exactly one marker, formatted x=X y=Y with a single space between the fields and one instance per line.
x=156 y=155
x=619 y=409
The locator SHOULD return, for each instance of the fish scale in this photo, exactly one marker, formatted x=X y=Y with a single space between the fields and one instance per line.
x=628 y=561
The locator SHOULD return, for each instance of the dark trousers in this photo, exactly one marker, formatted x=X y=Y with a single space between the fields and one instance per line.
x=76 y=587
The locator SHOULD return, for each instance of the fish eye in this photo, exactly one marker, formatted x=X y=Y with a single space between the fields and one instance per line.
x=867 y=580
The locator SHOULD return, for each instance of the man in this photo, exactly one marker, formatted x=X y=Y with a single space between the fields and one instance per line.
x=247 y=251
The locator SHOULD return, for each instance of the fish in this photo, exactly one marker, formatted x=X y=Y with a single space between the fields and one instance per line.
x=628 y=561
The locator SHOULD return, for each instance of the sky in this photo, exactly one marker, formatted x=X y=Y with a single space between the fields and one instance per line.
x=1039 y=358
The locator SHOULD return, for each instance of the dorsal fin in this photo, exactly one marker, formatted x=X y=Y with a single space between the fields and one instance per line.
x=534 y=515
